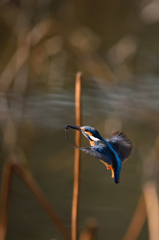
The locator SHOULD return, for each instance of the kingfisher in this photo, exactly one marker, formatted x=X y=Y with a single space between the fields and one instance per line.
x=110 y=151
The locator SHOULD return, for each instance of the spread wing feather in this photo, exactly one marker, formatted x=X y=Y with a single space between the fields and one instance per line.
x=106 y=155
x=97 y=152
x=121 y=144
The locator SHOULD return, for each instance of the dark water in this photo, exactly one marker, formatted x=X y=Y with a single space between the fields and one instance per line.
x=51 y=158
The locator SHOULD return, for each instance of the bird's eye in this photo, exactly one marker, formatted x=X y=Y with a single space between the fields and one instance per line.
x=86 y=130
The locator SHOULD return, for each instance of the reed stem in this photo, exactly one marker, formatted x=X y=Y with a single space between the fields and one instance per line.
x=75 y=201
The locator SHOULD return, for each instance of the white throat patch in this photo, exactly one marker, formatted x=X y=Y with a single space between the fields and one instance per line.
x=94 y=138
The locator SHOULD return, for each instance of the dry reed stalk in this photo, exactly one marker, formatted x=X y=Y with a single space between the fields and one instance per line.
x=137 y=221
x=28 y=179
x=152 y=205
x=32 y=38
x=90 y=231
x=4 y=198
x=75 y=201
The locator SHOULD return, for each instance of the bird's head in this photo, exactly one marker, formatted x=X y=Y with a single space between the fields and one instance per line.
x=89 y=132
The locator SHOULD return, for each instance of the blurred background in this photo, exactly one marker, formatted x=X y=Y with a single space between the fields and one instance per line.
x=43 y=43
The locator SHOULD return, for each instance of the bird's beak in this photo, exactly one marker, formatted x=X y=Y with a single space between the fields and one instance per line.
x=73 y=126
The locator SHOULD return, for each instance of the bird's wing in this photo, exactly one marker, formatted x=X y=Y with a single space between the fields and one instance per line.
x=102 y=154
x=97 y=152
x=121 y=144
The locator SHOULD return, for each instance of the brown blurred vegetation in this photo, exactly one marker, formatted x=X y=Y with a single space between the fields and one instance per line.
x=43 y=44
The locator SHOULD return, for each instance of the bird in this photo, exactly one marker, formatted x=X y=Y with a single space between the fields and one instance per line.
x=110 y=151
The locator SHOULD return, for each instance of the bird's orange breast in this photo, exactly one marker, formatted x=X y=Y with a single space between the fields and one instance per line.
x=109 y=167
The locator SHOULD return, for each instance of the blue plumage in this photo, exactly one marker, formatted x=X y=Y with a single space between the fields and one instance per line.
x=111 y=151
